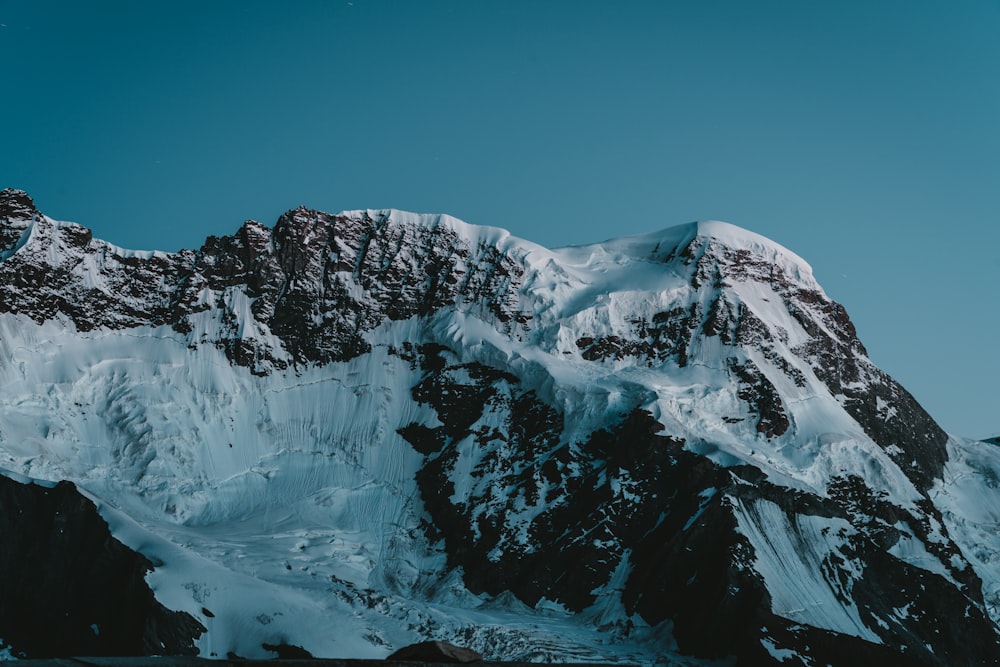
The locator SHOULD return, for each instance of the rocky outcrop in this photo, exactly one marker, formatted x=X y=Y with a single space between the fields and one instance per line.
x=714 y=310
x=316 y=282
x=437 y=652
x=68 y=588
x=561 y=521
x=17 y=210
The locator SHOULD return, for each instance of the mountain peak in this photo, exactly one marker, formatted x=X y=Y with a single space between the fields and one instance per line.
x=17 y=210
x=713 y=248
x=16 y=204
x=734 y=235
x=730 y=250
x=739 y=238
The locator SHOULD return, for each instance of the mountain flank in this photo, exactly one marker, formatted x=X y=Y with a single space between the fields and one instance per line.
x=351 y=432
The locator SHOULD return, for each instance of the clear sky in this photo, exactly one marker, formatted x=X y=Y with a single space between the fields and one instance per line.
x=862 y=134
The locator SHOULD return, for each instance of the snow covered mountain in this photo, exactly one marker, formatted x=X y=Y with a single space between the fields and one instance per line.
x=352 y=432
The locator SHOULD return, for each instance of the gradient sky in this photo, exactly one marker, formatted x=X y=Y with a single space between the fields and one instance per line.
x=862 y=134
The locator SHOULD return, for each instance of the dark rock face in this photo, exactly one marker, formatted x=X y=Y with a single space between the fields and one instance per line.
x=886 y=411
x=435 y=651
x=288 y=651
x=328 y=279
x=67 y=587
x=317 y=282
x=634 y=499
x=762 y=398
x=16 y=210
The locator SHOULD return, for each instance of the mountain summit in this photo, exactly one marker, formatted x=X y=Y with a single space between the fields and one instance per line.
x=351 y=432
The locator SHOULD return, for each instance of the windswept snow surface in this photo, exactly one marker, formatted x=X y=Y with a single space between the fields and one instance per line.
x=793 y=558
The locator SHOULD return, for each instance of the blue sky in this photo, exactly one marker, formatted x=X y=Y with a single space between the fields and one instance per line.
x=863 y=135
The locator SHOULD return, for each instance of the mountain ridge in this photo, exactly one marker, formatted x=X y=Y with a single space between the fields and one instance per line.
x=676 y=429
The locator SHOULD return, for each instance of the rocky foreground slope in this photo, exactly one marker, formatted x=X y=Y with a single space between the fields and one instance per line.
x=351 y=432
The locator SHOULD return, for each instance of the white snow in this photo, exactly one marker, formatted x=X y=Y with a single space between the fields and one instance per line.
x=911 y=550
x=790 y=555
x=969 y=499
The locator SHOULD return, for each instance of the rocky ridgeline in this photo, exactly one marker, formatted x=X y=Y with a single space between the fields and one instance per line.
x=316 y=282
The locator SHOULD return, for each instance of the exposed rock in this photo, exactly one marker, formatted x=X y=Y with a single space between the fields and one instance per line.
x=288 y=651
x=317 y=281
x=435 y=651
x=68 y=588
x=633 y=498
x=17 y=211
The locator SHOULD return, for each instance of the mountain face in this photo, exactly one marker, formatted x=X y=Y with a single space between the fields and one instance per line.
x=352 y=432
x=70 y=588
